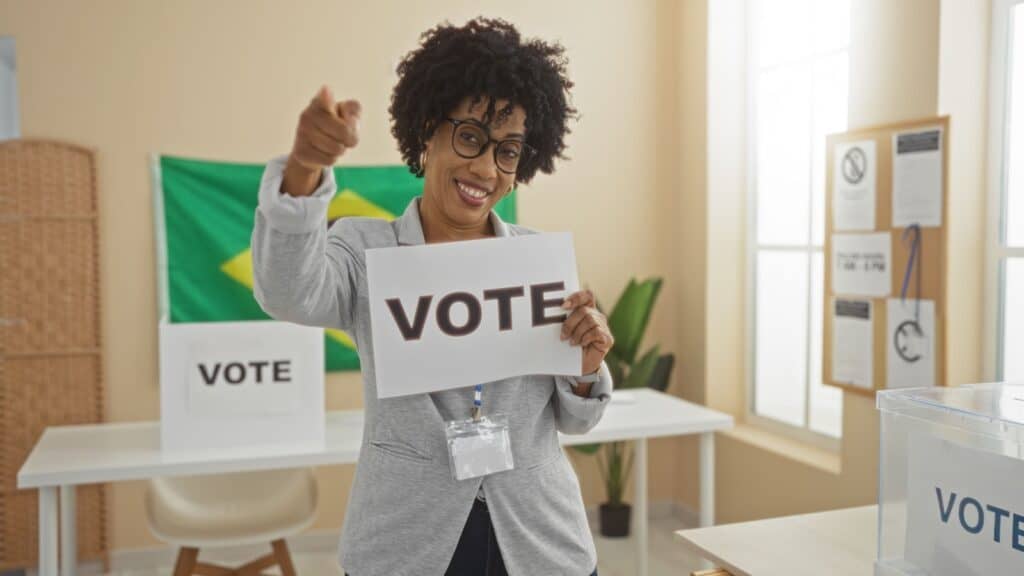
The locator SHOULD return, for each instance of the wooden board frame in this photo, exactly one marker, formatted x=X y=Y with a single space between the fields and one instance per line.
x=934 y=251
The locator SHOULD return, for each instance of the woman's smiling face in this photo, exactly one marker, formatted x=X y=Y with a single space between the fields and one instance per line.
x=464 y=190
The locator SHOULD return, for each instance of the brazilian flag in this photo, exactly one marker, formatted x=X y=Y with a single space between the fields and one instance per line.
x=204 y=219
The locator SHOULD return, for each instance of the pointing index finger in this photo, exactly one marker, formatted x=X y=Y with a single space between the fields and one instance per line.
x=325 y=100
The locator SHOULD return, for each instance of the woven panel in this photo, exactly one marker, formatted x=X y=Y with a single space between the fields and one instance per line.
x=18 y=513
x=50 y=361
x=40 y=392
x=56 y=259
x=46 y=179
x=49 y=292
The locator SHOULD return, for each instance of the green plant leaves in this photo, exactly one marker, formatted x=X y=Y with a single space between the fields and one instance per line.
x=662 y=372
x=587 y=448
x=613 y=478
x=628 y=320
x=640 y=374
x=616 y=366
x=628 y=323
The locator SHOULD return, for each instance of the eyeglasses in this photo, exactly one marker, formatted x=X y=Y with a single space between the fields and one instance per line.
x=470 y=140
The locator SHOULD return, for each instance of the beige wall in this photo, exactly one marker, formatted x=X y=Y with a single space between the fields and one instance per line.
x=963 y=95
x=726 y=202
x=908 y=59
x=656 y=185
x=227 y=80
x=893 y=76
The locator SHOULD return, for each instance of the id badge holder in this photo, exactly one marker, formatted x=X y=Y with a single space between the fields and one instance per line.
x=478 y=447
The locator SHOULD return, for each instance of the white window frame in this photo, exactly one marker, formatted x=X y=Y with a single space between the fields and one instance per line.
x=803 y=434
x=997 y=252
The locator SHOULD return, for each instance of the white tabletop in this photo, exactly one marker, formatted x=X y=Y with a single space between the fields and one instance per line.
x=838 y=543
x=94 y=453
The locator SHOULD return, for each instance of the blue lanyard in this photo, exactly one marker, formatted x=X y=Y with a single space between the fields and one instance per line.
x=914 y=231
x=478 y=403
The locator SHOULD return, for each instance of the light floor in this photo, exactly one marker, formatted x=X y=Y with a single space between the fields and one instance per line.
x=616 y=557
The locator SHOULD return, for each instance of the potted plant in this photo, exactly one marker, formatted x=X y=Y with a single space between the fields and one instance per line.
x=628 y=323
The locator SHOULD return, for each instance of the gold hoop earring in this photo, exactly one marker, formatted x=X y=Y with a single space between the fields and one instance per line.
x=423 y=160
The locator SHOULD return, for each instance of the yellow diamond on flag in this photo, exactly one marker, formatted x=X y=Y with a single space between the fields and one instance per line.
x=345 y=203
x=348 y=203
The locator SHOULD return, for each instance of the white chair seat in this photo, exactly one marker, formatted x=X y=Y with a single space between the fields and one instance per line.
x=231 y=509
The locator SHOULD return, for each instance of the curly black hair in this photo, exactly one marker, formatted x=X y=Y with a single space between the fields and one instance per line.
x=484 y=59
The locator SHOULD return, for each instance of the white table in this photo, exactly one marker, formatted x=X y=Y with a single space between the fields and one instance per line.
x=838 y=543
x=67 y=456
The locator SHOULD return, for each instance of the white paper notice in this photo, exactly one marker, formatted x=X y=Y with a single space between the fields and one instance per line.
x=917 y=178
x=910 y=356
x=965 y=510
x=861 y=264
x=464 y=313
x=853 y=186
x=852 y=356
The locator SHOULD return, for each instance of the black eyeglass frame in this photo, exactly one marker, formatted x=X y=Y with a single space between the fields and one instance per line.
x=526 y=153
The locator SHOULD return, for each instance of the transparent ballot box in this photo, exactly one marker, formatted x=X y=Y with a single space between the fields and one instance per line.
x=951 y=481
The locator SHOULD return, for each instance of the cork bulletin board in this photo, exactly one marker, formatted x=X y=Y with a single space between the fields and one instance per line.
x=886 y=217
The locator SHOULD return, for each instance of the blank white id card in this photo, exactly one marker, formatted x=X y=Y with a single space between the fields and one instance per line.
x=479 y=447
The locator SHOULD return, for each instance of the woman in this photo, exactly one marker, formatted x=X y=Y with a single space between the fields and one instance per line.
x=475 y=111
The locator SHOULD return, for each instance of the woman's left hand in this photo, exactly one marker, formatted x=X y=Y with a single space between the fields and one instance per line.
x=586 y=326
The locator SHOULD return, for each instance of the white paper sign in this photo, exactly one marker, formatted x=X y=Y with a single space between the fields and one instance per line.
x=852 y=353
x=464 y=313
x=910 y=356
x=917 y=178
x=232 y=385
x=862 y=264
x=853 y=186
x=965 y=510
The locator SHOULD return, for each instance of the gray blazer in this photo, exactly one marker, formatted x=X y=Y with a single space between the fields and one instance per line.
x=405 y=512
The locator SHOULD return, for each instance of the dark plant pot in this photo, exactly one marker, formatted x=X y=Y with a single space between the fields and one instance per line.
x=615 y=520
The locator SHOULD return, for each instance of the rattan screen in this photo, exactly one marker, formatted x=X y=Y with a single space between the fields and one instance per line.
x=50 y=361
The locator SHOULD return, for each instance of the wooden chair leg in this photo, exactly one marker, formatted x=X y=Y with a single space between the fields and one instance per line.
x=204 y=569
x=186 y=561
x=284 y=559
x=255 y=568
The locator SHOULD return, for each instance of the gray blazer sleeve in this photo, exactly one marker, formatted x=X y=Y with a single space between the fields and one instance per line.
x=576 y=415
x=301 y=272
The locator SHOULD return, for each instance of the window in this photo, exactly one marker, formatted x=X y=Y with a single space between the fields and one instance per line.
x=1006 y=241
x=8 y=90
x=798 y=75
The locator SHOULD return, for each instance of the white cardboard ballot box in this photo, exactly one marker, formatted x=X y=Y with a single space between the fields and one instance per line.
x=235 y=386
x=951 y=481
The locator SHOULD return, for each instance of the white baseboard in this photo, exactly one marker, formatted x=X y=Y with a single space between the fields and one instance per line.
x=686 y=516
x=84 y=569
x=318 y=542
x=94 y=568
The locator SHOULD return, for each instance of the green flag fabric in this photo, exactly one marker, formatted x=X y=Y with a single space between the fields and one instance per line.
x=204 y=219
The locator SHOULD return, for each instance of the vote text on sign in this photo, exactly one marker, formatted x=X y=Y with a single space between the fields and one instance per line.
x=231 y=385
x=965 y=510
x=463 y=313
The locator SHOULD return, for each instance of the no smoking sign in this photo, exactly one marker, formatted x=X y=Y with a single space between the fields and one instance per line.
x=855 y=165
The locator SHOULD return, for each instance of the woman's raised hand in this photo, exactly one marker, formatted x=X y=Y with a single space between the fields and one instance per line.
x=326 y=129
x=586 y=326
